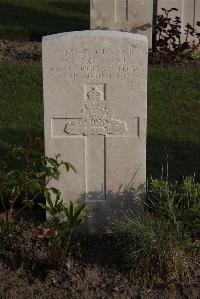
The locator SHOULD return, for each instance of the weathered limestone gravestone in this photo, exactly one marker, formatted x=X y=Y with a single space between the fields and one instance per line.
x=95 y=104
x=188 y=11
x=123 y=15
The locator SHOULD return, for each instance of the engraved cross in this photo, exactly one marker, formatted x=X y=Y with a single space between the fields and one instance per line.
x=95 y=124
x=121 y=10
x=96 y=127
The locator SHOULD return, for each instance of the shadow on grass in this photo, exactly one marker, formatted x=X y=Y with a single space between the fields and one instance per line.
x=75 y=7
x=12 y=138
x=181 y=158
x=35 y=23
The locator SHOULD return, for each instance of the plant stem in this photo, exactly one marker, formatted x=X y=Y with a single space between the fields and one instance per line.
x=69 y=239
x=2 y=201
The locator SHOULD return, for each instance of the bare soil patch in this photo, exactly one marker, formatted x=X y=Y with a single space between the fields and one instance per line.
x=25 y=52
x=92 y=271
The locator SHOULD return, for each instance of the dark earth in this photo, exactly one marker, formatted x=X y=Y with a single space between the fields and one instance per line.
x=91 y=271
x=25 y=52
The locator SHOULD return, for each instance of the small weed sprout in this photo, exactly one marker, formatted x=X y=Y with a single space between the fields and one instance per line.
x=59 y=232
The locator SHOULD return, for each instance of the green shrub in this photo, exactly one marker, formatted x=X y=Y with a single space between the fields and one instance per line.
x=24 y=183
x=189 y=202
x=163 y=239
x=169 y=46
x=151 y=246
x=162 y=199
x=177 y=202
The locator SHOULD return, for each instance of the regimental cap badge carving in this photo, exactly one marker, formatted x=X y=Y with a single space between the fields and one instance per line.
x=96 y=118
x=94 y=94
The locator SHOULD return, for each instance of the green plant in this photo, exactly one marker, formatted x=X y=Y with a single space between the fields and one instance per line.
x=189 y=192
x=151 y=246
x=192 y=54
x=54 y=208
x=4 y=233
x=170 y=45
x=74 y=218
x=59 y=231
x=29 y=180
x=177 y=202
x=163 y=239
x=162 y=198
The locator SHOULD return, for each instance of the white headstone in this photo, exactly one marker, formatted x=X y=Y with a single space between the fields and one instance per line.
x=95 y=103
x=197 y=14
x=188 y=11
x=123 y=15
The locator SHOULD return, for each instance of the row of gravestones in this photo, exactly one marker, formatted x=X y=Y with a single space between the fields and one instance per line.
x=95 y=112
x=136 y=16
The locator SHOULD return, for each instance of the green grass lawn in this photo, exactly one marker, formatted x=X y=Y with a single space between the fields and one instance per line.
x=41 y=17
x=174 y=121
x=173 y=114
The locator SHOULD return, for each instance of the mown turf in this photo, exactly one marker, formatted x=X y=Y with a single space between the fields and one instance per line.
x=41 y=17
x=21 y=109
x=173 y=114
x=173 y=121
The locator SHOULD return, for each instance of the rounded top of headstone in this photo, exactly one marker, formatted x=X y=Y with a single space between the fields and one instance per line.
x=96 y=33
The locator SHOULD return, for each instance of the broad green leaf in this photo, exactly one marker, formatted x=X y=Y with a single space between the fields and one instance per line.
x=71 y=209
x=50 y=203
x=46 y=194
x=43 y=161
x=15 y=190
x=58 y=199
x=43 y=206
x=30 y=204
x=55 y=174
x=34 y=185
x=47 y=171
x=79 y=209
x=66 y=212
x=55 y=190
x=52 y=162
x=69 y=166
x=72 y=167
x=14 y=173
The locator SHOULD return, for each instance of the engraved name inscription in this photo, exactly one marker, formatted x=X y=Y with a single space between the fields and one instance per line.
x=96 y=118
x=102 y=63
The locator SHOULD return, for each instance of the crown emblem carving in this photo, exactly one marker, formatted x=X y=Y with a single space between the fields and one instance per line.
x=94 y=94
x=96 y=118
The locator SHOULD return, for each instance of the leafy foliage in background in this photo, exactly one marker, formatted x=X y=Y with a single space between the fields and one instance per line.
x=169 y=45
